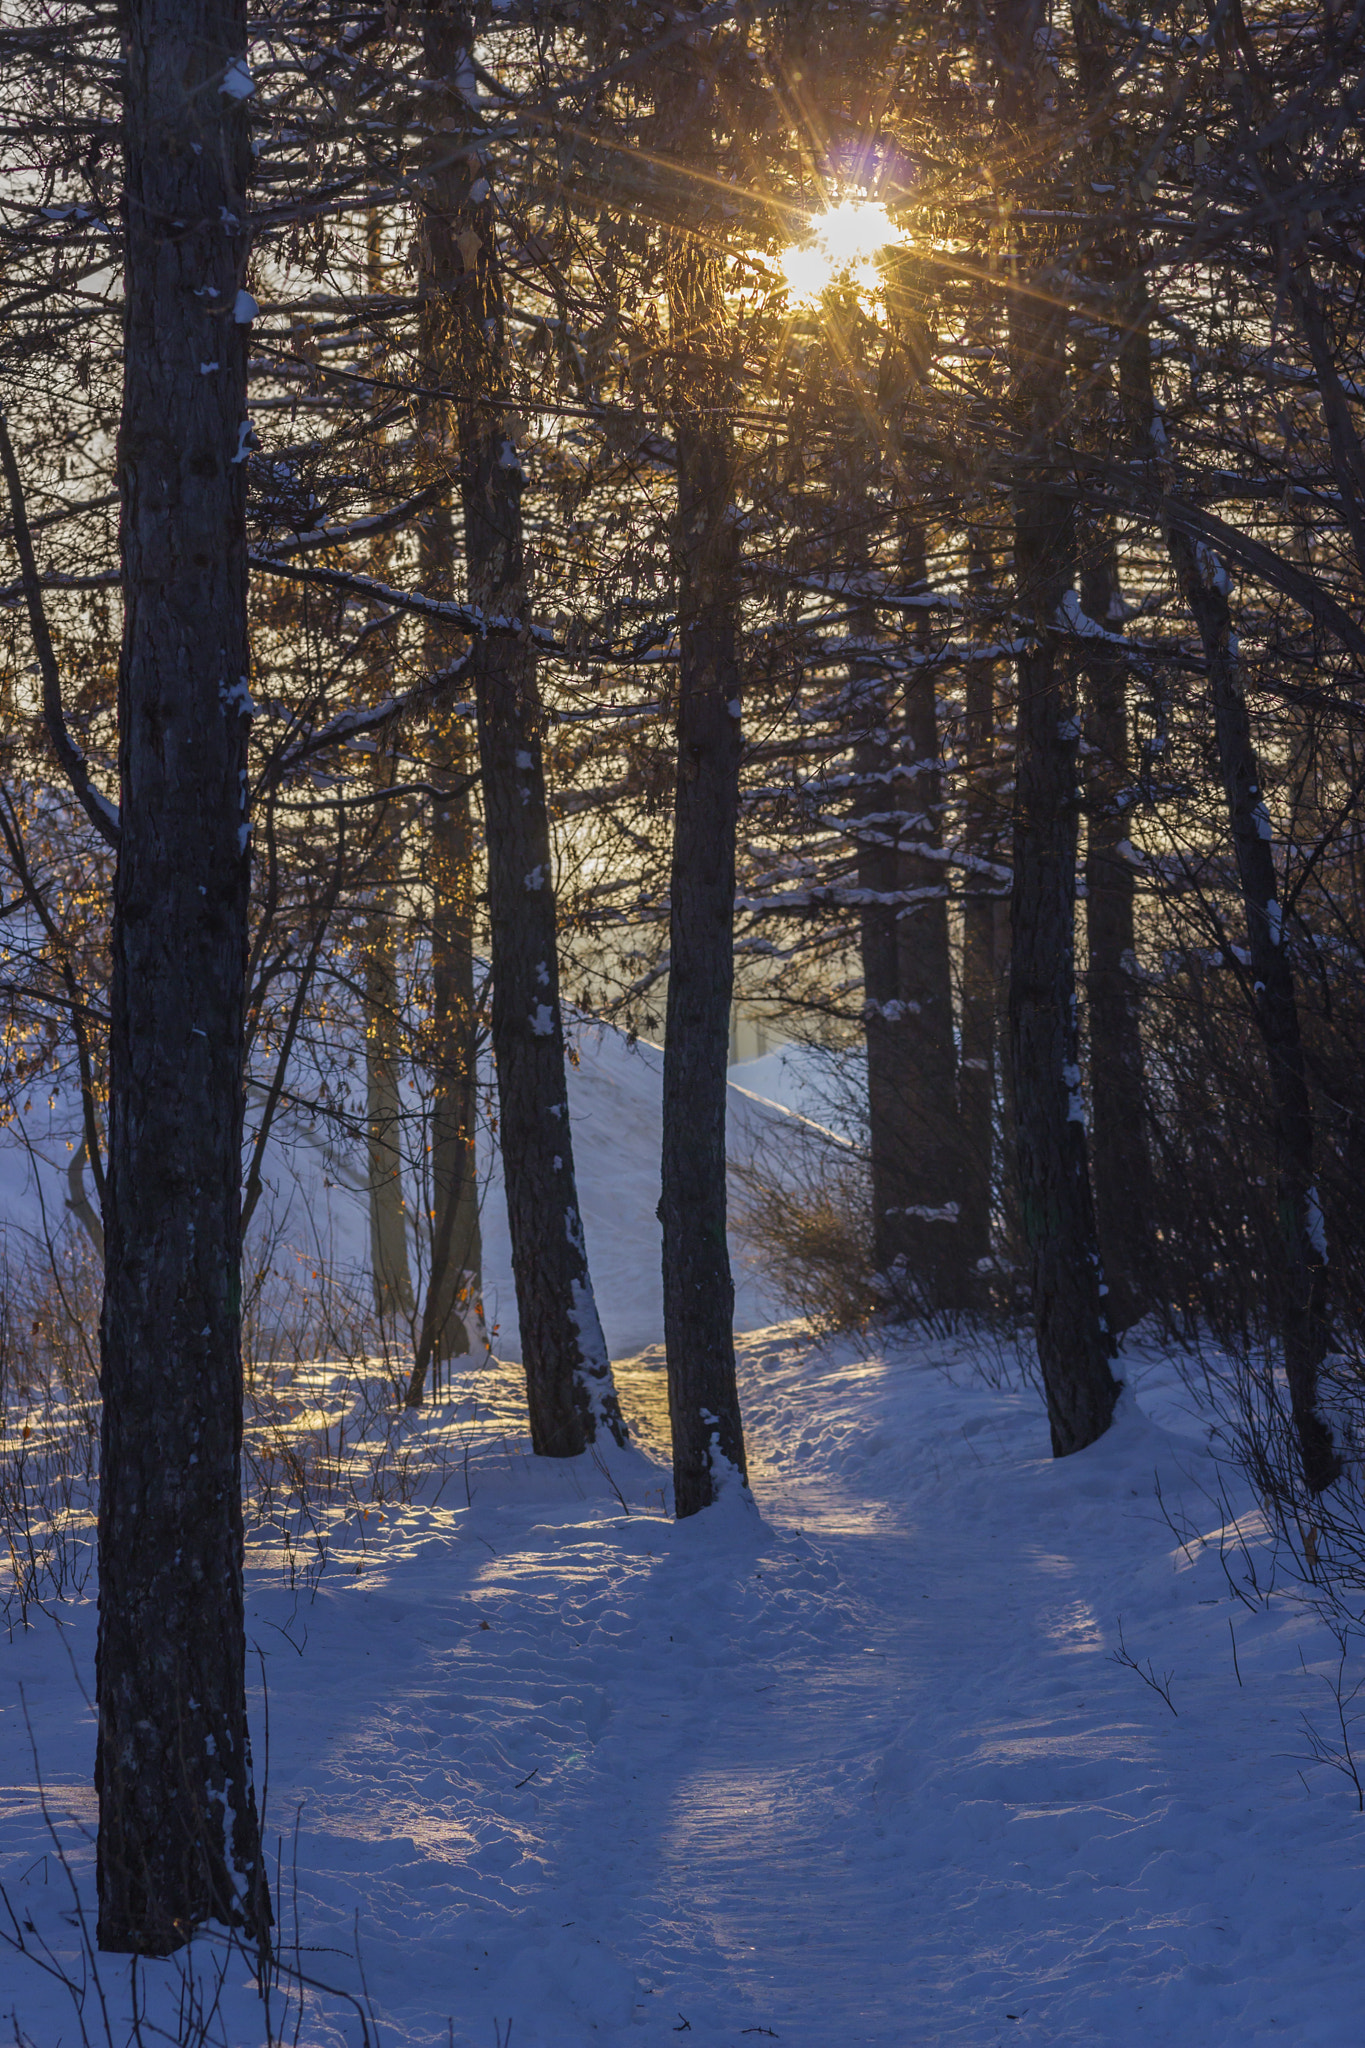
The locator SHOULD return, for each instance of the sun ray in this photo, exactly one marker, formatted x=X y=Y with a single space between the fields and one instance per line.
x=845 y=243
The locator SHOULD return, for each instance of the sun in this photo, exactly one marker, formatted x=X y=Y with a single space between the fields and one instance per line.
x=846 y=241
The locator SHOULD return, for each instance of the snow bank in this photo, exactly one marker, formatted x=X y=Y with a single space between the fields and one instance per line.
x=315 y=1214
x=858 y=1767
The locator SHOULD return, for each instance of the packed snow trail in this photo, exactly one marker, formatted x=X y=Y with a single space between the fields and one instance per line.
x=856 y=1767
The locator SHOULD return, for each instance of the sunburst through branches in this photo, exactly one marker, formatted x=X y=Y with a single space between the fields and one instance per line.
x=846 y=244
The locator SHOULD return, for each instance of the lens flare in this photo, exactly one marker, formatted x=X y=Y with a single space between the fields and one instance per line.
x=845 y=244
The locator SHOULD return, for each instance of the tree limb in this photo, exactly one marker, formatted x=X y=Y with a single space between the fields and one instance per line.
x=98 y=808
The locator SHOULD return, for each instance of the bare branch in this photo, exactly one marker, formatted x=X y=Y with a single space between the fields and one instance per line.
x=98 y=808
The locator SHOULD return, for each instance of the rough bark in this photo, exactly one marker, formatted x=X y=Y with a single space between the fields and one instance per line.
x=389 y=1269
x=699 y=1295
x=1074 y=1342
x=976 y=1069
x=1122 y=1168
x=1204 y=585
x=914 y=1139
x=1121 y=1163
x=1075 y=1345
x=931 y=1225
x=880 y=879
x=907 y=1006
x=568 y=1376
x=1013 y=1243
x=452 y=1311
x=178 y=1835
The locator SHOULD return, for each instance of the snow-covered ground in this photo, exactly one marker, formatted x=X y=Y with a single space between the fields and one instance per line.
x=314 y=1212
x=853 y=1765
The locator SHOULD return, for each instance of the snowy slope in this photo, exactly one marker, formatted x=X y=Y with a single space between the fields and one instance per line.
x=615 y=1097
x=856 y=1768
x=856 y=1765
x=315 y=1205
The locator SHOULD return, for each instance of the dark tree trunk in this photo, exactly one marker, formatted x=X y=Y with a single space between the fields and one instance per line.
x=452 y=1310
x=877 y=807
x=914 y=1139
x=976 y=1069
x=568 y=1376
x=453 y=1305
x=389 y=1270
x=1013 y=1242
x=699 y=1295
x=907 y=1005
x=1075 y=1346
x=455 y=1286
x=1204 y=586
x=1124 y=1196
x=1124 y=1192
x=178 y=1833
x=931 y=1225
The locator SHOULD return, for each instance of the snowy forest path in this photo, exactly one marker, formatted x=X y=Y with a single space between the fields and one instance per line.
x=761 y=1901
x=775 y=1847
x=945 y=1813
x=784 y=1883
x=850 y=1767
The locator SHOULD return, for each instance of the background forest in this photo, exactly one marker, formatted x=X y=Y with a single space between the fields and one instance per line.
x=540 y=517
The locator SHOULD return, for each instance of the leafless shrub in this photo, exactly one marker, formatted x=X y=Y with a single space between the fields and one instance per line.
x=804 y=1215
x=802 y=1209
x=325 y=1431
x=189 y=2008
x=49 y=1422
x=1338 y=1752
x=1318 y=1539
x=1145 y=1671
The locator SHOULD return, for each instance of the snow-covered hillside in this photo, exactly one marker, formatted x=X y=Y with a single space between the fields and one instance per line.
x=872 y=1761
x=856 y=1766
x=315 y=1205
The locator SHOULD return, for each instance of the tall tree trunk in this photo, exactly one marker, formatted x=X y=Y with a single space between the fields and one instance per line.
x=452 y=1311
x=914 y=1136
x=389 y=1269
x=907 y=999
x=1124 y=1201
x=1205 y=586
x=1013 y=1239
x=699 y=1295
x=453 y=1308
x=976 y=1069
x=931 y=1226
x=1074 y=1341
x=877 y=807
x=568 y=1376
x=390 y=1273
x=1124 y=1192
x=1074 y=1344
x=178 y=1833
